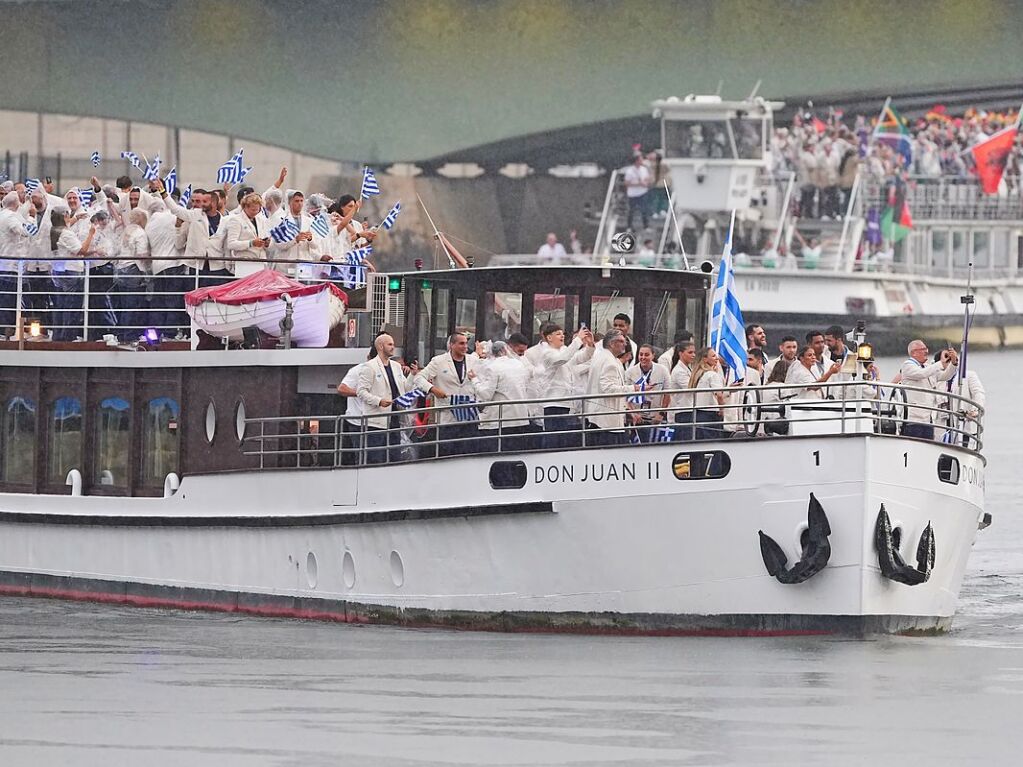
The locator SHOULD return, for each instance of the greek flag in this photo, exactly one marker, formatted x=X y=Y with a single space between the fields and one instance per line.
x=353 y=273
x=85 y=195
x=321 y=225
x=95 y=159
x=132 y=158
x=727 y=334
x=31 y=184
x=285 y=231
x=170 y=183
x=152 y=171
x=186 y=196
x=233 y=171
x=639 y=398
x=468 y=411
x=664 y=434
x=369 y=183
x=409 y=398
x=391 y=217
x=31 y=228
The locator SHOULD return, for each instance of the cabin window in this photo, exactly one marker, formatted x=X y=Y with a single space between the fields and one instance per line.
x=662 y=315
x=64 y=446
x=465 y=317
x=423 y=324
x=981 y=250
x=113 y=442
x=559 y=308
x=604 y=308
x=19 y=440
x=502 y=315
x=698 y=139
x=702 y=464
x=939 y=249
x=948 y=469
x=508 y=475
x=159 y=440
x=960 y=258
x=441 y=322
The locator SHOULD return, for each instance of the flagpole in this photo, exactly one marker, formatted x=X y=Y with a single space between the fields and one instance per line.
x=880 y=118
x=436 y=232
x=725 y=264
x=678 y=232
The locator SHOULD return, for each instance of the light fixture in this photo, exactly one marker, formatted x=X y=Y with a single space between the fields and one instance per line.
x=865 y=352
x=35 y=329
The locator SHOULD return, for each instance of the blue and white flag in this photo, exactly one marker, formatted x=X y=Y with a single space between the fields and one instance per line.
x=85 y=196
x=31 y=184
x=170 y=183
x=321 y=225
x=664 y=434
x=95 y=159
x=468 y=410
x=31 y=228
x=727 y=332
x=132 y=158
x=639 y=398
x=152 y=171
x=369 y=183
x=186 y=196
x=353 y=273
x=391 y=217
x=285 y=231
x=409 y=398
x=233 y=171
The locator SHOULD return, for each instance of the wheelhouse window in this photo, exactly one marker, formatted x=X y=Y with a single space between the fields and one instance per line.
x=502 y=315
x=64 y=443
x=560 y=308
x=19 y=441
x=159 y=440
x=113 y=442
x=604 y=308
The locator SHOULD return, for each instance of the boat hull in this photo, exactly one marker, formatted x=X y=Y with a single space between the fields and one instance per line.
x=608 y=542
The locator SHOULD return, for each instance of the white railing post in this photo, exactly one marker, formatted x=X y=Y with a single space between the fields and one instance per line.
x=85 y=302
x=598 y=245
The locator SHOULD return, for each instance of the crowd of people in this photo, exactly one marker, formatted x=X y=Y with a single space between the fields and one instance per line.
x=143 y=248
x=609 y=390
x=826 y=154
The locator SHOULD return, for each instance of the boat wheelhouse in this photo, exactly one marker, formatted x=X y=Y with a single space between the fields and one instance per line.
x=219 y=479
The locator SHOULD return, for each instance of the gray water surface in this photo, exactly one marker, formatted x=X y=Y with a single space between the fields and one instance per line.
x=98 y=685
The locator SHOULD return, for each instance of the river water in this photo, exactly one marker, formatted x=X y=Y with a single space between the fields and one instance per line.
x=99 y=685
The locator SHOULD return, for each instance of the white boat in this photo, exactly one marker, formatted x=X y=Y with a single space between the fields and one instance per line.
x=263 y=300
x=222 y=481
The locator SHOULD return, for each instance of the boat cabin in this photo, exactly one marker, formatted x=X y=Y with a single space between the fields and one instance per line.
x=87 y=419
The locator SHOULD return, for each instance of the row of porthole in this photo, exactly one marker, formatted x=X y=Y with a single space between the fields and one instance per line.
x=211 y=421
x=397 y=567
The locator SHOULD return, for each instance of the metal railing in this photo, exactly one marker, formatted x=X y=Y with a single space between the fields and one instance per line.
x=948 y=198
x=108 y=298
x=776 y=411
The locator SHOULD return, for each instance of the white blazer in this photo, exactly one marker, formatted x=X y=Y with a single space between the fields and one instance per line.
x=440 y=372
x=500 y=380
x=297 y=251
x=607 y=376
x=374 y=387
x=241 y=231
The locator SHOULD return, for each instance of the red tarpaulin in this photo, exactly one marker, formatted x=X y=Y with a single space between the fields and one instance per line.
x=260 y=286
x=991 y=157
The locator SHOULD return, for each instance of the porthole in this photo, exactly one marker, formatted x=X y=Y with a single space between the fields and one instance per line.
x=311 y=570
x=702 y=464
x=239 y=420
x=508 y=475
x=348 y=569
x=211 y=421
x=948 y=469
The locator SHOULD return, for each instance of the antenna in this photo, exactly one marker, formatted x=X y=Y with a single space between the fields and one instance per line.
x=753 y=93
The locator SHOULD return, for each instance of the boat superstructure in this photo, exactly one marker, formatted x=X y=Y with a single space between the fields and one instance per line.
x=222 y=479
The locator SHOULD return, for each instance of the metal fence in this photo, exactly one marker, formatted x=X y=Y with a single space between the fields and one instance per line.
x=752 y=412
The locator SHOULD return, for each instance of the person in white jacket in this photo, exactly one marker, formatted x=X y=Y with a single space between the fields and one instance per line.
x=303 y=247
x=558 y=368
x=381 y=382
x=248 y=236
x=918 y=374
x=451 y=379
x=14 y=240
x=503 y=378
x=605 y=416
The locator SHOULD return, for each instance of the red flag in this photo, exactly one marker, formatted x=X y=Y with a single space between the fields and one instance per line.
x=991 y=157
x=819 y=125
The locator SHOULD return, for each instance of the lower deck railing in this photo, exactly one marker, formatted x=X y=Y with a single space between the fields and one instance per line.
x=600 y=421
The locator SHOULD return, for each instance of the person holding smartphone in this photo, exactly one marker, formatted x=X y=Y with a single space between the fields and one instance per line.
x=248 y=236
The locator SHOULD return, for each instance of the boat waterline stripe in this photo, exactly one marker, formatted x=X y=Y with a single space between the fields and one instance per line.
x=307 y=520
